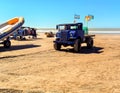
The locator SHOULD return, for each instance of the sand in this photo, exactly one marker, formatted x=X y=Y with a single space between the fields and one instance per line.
x=33 y=66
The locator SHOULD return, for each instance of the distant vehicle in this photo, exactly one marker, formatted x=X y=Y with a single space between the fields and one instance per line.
x=72 y=35
x=49 y=34
x=25 y=31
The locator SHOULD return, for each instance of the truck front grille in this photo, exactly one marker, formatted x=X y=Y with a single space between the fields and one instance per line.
x=63 y=36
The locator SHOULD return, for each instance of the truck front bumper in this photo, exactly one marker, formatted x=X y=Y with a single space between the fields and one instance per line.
x=64 y=42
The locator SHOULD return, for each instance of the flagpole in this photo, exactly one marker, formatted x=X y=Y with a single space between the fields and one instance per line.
x=87 y=24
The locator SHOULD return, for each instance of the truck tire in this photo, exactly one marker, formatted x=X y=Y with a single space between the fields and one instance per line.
x=77 y=45
x=57 y=46
x=7 y=44
x=90 y=43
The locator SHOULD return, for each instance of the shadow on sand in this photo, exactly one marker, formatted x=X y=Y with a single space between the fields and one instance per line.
x=85 y=50
x=29 y=39
x=10 y=91
x=18 y=91
x=18 y=47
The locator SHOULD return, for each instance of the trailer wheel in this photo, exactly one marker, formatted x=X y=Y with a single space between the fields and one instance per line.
x=77 y=45
x=7 y=44
x=90 y=43
x=57 y=46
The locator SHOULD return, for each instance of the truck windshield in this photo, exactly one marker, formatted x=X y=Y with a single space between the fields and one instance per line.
x=73 y=27
x=69 y=27
x=61 y=27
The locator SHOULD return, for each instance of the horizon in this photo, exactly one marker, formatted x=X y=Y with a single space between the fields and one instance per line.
x=46 y=14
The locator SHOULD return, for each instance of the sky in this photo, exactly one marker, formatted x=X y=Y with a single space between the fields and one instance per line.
x=49 y=13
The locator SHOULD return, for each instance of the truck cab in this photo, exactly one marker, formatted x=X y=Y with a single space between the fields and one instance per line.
x=71 y=35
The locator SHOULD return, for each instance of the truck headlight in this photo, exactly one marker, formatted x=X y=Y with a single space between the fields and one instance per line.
x=57 y=35
x=72 y=33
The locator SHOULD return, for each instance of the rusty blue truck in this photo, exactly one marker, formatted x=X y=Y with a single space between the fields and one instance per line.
x=72 y=34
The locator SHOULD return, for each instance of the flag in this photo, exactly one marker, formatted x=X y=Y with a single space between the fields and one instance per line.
x=89 y=17
x=76 y=16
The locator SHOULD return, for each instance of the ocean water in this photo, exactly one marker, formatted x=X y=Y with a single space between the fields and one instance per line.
x=104 y=32
x=90 y=32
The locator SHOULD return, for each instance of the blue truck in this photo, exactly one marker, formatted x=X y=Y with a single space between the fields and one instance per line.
x=72 y=34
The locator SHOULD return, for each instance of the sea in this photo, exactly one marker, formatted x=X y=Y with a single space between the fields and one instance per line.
x=90 y=32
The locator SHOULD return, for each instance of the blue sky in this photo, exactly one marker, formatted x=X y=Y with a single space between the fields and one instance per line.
x=48 y=13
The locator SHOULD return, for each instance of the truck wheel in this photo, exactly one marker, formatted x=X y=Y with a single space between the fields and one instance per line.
x=57 y=46
x=7 y=44
x=90 y=43
x=77 y=45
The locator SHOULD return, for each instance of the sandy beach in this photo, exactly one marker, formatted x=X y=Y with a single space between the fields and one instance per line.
x=33 y=66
